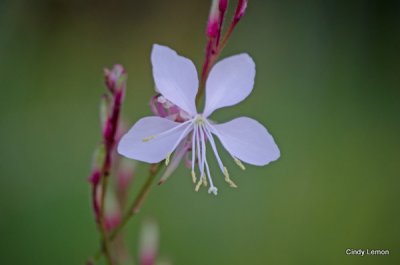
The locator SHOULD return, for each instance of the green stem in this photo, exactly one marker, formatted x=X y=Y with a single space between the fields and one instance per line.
x=102 y=227
x=133 y=210
x=138 y=202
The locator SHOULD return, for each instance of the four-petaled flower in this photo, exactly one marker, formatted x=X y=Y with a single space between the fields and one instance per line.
x=153 y=139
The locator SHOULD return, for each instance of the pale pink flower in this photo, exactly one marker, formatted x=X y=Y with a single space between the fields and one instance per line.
x=153 y=139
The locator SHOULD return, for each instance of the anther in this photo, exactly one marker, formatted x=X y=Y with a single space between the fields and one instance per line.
x=193 y=176
x=228 y=179
x=146 y=139
x=204 y=180
x=167 y=159
x=198 y=185
x=239 y=163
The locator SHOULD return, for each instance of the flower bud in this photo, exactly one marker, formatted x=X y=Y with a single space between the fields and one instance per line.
x=213 y=20
x=94 y=177
x=149 y=240
x=223 y=5
x=97 y=161
x=240 y=10
x=112 y=216
x=115 y=78
x=105 y=109
x=125 y=176
x=162 y=107
x=217 y=12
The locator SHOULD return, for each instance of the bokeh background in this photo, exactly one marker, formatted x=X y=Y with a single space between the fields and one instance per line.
x=327 y=88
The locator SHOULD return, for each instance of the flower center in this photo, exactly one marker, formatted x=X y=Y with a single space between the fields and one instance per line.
x=199 y=119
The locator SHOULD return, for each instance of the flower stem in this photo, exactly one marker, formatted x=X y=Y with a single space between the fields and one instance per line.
x=133 y=210
x=138 y=202
x=215 y=44
x=115 y=82
x=102 y=227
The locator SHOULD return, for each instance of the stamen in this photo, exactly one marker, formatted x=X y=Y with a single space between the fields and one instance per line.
x=228 y=179
x=167 y=159
x=183 y=134
x=194 y=134
x=148 y=138
x=199 y=150
x=193 y=176
x=176 y=157
x=213 y=130
x=151 y=137
x=205 y=184
x=222 y=167
x=198 y=185
x=214 y=147
x=239 y=163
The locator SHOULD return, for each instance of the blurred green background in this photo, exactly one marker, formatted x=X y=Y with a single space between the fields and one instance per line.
x=327 y=88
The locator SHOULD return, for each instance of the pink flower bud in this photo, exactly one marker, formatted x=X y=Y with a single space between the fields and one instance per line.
x=162 y=107
x=112 y=220
x=97 y=161
x=125 y=173
x=115 y=78
x=240 y=10
x=223 y=5
x=149 y=240
x=94 y=177
x=217 y=12
x=112 y=216
x=116 y=83
x=105 y=109
x=212 y=28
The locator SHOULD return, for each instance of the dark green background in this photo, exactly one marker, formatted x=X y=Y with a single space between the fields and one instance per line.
x=327 y=88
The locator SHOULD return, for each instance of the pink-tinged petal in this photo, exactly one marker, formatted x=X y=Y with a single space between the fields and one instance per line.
x=152 y=139
x=175 y=77
x=247 y=140
x=230 y=81
x=181 y=150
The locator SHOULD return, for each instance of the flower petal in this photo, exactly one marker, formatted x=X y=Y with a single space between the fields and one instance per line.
x=181 y=150
x=155 y=148
x=175 y=77
x=247 y=140
x=230 y=81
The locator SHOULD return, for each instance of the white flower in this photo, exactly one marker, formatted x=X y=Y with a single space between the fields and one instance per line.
x=153 y=139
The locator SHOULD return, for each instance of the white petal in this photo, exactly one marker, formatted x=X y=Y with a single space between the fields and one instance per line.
x=247 y=140
x=132 y=144
x=230 y=81
x=175 y=77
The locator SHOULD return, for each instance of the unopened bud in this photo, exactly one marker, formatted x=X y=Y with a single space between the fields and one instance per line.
x=149 y=240
x=94 y=177
x=213 y=19
x=115 y=78
x=164 y=108
x=98 y=158
x=125 y=176
x=105 y=109
x=112 y=216
x=223 y=5
x=240 y=10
